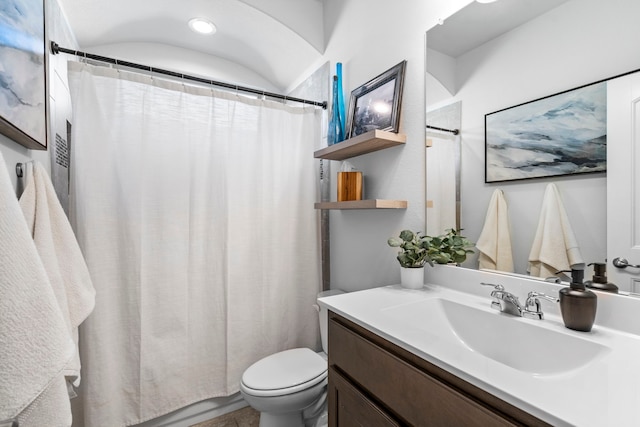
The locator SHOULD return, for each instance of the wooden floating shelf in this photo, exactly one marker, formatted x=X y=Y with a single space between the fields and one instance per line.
x=362 y=144
x=363 y=204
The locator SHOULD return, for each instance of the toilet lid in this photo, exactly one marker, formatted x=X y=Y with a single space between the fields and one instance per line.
x=285 y=369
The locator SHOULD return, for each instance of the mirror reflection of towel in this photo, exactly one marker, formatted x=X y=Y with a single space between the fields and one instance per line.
x=555 y=246
x=494 y=243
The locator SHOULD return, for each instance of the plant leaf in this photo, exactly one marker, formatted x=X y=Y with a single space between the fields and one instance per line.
x=394 y=242
x=406 y=235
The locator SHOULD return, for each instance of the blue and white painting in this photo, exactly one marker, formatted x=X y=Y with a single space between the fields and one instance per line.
x=22 y=67
x=558 y=135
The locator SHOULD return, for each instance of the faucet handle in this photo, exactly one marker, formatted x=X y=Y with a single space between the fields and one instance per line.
x=534 y=294
x=532 y=308
x=496 y=294
x=497 y=287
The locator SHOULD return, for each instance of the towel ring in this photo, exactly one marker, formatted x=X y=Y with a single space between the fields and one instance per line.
x=19 y=170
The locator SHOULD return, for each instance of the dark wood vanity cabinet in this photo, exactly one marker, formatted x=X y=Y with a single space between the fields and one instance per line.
x=373 y=382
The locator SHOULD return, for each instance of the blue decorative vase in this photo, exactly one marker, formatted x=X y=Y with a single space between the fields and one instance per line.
x=337 y=114
x=341 y=105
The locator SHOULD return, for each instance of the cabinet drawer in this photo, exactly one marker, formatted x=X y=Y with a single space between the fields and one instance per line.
x=406 y=391
x=352 y=408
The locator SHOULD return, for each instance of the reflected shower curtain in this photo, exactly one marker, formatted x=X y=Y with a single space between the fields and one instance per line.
x=442 y=166
x=194 y=209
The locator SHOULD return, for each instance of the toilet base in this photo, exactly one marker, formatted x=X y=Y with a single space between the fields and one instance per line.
x=292 y=419
x=322 y=421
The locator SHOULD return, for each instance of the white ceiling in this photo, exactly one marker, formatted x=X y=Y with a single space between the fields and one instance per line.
x=277 y=39
x=478 y=23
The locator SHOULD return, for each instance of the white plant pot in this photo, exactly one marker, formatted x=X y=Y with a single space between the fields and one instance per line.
x=412 y=278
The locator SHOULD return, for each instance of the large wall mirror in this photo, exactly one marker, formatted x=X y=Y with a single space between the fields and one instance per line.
x=489 y=57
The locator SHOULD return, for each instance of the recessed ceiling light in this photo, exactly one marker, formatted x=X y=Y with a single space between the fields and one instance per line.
x=485 y=1
x=202 y=26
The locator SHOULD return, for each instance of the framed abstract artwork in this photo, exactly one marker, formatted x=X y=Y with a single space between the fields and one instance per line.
x=561 y=134
x=23 y=111
x=376 y=104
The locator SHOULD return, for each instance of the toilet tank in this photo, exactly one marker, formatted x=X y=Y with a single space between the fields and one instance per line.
x=323 y=317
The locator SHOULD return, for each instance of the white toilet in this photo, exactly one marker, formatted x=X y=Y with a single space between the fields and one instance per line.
x=289 y=388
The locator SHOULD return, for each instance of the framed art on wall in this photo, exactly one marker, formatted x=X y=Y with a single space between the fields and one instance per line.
x=376 y=104
x=23 y=115
x=561 y=134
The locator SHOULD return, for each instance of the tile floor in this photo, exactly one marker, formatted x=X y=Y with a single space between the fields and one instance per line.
x=245 y=417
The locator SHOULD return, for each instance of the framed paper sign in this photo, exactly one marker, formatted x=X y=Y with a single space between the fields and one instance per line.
x=376 y=104
x=562 y=134
x=22 y=73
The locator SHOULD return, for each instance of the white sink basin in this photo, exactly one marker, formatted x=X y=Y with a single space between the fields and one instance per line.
x=519 y=343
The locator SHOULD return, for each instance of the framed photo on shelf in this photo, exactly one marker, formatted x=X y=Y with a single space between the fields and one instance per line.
x=376 y=104
x=561 y=134
x=23 y=95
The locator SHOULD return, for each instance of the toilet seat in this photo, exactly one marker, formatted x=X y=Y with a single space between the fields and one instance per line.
x=283 y=373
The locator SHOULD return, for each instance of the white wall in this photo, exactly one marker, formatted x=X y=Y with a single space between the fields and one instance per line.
x=59 y=101
x=541 y=58
x=13 y=153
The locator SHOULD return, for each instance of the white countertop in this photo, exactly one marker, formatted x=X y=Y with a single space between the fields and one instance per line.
x=604 y=392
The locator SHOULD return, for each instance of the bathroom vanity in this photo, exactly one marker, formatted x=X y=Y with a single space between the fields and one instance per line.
x=442 y=356
x=373 y=382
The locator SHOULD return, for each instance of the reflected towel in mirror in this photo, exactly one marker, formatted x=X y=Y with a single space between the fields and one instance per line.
x=494 y=243
x=554 y=246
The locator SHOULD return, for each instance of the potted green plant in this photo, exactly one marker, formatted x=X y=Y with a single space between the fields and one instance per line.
x=416 y=250
x=449 y=248
x=412 y=256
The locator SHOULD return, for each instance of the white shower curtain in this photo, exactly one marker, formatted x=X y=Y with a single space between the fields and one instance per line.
x=194 y=209
x=442 y=159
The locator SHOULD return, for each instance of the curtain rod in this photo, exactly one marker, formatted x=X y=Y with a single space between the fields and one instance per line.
x=55 y=49
x=453 y=131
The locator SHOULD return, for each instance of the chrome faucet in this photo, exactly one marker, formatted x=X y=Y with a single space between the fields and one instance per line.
x=504 y=301
x=508 y=303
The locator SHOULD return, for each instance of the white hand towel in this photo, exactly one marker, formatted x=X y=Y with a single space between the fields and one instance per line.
x=494 y=243
x=555 y=246
x=60 y=255
x=35 y=346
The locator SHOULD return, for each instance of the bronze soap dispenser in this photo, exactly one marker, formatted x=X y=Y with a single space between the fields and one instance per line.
x=600 y=281
x=578 y=304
